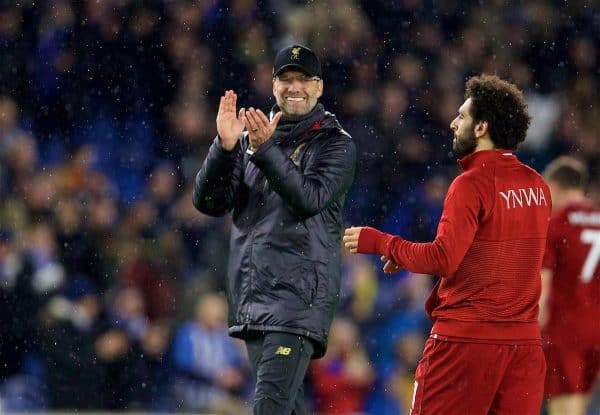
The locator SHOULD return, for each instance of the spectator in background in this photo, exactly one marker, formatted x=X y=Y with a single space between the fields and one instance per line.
x=570 y=301
x=128 y=311
x=48 y=273
x=21 y=388
x=16 y=49
x=401 y=383
x=359 y=288
x=21 y=158
x=152 y=375
x=394 y=390
x=9 y=123
x=134 y=353
x=210 y=369
x=396 y=343
x=74 y=350
x=143 y=265
x=342 y=379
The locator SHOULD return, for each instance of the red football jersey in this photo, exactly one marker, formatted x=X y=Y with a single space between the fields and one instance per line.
x=573 y=254
x=488 y=251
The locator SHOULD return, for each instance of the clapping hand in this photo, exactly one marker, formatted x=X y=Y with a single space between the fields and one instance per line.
x=260 y=129
x=229 y=125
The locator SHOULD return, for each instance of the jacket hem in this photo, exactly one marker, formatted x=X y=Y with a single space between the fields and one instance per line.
x=240 y=332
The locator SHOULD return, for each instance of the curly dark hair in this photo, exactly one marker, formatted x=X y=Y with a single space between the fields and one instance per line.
x=502 y=105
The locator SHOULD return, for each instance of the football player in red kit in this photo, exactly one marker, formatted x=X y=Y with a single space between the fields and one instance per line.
x=484 y=354
x=570 y=302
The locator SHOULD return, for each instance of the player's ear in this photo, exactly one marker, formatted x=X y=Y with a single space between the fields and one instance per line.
x=481 y=128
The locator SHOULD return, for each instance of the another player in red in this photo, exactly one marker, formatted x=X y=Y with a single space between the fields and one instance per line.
x=484 y=354
x=570 y=303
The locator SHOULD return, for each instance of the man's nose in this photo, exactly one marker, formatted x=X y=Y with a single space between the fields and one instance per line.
x=453 y=124
x=295 y=85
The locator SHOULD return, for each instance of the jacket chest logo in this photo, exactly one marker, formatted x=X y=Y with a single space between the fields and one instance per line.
x=296 y=153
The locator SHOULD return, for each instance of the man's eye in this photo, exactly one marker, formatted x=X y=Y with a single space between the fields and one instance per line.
x=303 y=79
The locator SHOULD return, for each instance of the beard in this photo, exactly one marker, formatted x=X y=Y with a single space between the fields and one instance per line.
x=464 y=145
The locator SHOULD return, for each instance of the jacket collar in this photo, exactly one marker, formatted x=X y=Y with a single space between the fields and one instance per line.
x=298 y=129
x=485 y=156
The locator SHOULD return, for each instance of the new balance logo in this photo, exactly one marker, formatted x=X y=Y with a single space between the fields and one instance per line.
x=284 y=351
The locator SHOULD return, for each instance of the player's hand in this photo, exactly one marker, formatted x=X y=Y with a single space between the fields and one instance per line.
x=390 y=266
x=351 y=238
x=260 y=129
x=229 y=125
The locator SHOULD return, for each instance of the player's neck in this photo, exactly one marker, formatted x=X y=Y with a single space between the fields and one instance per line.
x=569 y=196
x=484 y=143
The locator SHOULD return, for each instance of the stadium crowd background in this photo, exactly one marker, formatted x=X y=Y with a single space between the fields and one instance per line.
x=108 y=274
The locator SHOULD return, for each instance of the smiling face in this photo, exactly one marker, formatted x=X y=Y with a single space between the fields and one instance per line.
x=296 y=93
x=465 y=140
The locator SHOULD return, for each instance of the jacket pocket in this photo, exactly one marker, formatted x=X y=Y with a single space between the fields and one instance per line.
x=301 y=281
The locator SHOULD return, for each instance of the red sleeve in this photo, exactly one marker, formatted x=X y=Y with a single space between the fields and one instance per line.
x=456 y=230
x=551 y=253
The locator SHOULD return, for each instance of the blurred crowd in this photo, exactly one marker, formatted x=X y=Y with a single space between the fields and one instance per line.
x=110 y=281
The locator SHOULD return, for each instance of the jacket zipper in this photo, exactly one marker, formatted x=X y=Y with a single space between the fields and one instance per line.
x=246 y=313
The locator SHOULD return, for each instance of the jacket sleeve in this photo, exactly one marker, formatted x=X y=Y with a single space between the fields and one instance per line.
x=218 y=180
x=306 y=193
x=456 y=231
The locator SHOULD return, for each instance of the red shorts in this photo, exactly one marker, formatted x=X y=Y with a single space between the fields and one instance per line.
x=455 y=377
x=573 y=366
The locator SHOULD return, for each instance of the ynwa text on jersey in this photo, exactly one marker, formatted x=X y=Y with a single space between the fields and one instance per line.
x=520 y=198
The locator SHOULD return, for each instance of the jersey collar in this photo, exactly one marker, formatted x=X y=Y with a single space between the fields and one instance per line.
x=483 y=156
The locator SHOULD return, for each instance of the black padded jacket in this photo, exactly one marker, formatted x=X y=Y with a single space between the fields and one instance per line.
x=287 y=200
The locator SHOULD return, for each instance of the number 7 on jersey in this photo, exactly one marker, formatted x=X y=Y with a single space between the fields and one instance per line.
x=591 y=237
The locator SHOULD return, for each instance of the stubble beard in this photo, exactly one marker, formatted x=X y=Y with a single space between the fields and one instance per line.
x=463 y=146
x=292 y=111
